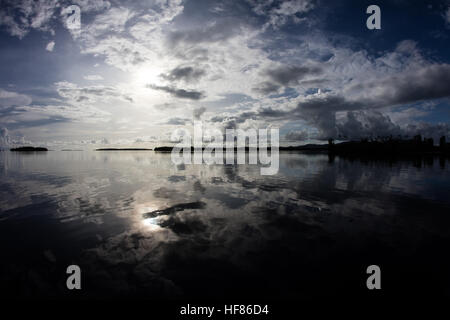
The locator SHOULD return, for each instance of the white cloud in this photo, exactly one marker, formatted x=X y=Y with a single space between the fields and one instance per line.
x=9 y=98
x=21 y=16
x=127 y=38
x=7 y=140
x=92 y=5
x=33 y=15
x=4 y=137
x=118 y=51
x=50 y=46
x=283 y=12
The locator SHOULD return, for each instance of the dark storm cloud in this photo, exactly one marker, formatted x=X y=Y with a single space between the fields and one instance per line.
x=187 y=74
x=179 y=93
x=367 y=124
x=290 y=75
x=373 y=124
x=431 y=82
x=425 y=83
x=285 y=76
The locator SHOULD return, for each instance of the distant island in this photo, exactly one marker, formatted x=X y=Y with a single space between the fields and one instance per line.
x=123 y=149
x=28 y=149
x=164 y=149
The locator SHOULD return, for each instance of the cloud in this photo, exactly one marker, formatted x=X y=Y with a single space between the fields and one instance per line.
x=367 y=124
x=9 y=99
x=290 y=75
x=4 y=137
x=428 y=130
x=356 y=125
x=178 y=121
x=361 y=103
x=267 y=88
x=279 y=13
x=20 y=16
x=289 y=9
x=50 y=46
x=301 y=135
x=45 y=115
x=320 y=110
x=93 y=77
x=118 y=51
x=92 y=5
x=423 y=83
x=218 y=31
x=107 y=36
x=284 y=76
x=89 y=94
x=198 y=112
x=128 y=36
x=110 y=22
x=179 y=93
x=6 y=140
x=187 y=74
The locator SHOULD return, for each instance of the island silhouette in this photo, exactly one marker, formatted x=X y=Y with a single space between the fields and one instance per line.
x=28 y=149
x=123 y=149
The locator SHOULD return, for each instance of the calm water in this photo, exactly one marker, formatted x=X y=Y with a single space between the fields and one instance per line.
x=139 y=226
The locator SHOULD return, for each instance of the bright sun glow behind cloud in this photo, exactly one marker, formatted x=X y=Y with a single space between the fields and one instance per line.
x=147 y=75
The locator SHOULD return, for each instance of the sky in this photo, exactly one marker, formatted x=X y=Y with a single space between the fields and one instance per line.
x=133 y=72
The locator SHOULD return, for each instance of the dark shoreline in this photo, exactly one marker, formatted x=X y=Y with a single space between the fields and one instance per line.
x=123 y=149
x=387 y=148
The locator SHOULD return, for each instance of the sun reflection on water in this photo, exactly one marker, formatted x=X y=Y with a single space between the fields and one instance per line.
x=151 y=224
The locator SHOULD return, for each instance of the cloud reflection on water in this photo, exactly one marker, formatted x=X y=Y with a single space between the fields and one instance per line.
x=146 y=227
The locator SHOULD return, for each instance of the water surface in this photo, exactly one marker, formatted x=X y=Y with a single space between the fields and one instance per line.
x=139 y=226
